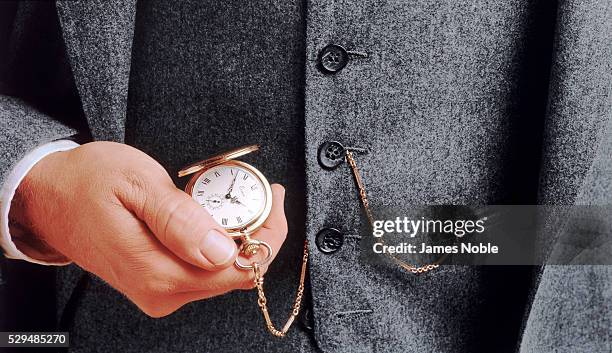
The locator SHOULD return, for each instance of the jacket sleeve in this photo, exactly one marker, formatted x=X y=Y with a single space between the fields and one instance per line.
x=23 y=129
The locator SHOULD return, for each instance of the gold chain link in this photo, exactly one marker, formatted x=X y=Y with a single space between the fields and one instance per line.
x=366 y=206
x=262 y=301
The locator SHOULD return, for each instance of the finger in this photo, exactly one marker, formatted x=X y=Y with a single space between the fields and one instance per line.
x=185 y=228
x=169 y=275
x=277 y=219
x=166 y=274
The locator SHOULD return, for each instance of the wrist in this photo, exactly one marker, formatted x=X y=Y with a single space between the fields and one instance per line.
x=27 y=211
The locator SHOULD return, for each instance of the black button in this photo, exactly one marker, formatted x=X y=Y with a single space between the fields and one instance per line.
x=333 y=58
x=329 y=240
x=331 y=154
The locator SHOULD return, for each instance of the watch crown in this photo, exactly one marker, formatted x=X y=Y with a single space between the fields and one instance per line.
x=251 y=249
x=249 y=246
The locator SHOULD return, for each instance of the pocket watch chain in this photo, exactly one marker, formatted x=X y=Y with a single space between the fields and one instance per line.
x=262 y=301
x=366 y=206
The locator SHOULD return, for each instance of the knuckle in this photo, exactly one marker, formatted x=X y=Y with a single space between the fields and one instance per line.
x=173 y=214
x=135 y=184
x=166 y=215
x=180 y=225
x=131 y=187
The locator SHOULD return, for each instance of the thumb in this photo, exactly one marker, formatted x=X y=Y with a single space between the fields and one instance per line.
x=186 y=228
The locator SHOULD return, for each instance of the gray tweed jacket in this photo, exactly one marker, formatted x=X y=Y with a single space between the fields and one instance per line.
x=454 y=99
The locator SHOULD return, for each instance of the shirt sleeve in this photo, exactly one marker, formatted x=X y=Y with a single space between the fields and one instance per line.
x=7 y=193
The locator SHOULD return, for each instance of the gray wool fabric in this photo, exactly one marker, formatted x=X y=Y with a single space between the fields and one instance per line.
x=456 y=103
x=93 y=64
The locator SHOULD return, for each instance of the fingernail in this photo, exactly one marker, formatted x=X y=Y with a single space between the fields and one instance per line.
x=217 y=247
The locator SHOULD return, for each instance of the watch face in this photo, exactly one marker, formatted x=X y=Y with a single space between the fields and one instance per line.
x=232 y=194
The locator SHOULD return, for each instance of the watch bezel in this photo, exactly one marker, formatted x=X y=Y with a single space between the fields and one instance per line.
x=259 y=219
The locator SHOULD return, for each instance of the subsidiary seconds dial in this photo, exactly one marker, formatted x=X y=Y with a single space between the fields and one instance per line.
x=233 y=195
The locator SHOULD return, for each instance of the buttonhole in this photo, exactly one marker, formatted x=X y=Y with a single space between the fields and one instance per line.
x=358 y=312
x=358 y=54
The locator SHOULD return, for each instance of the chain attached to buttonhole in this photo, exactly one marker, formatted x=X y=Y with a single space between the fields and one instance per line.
x=366 y=207
x=250 y=247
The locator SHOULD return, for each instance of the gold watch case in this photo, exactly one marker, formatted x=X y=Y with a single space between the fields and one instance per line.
x=228 y=159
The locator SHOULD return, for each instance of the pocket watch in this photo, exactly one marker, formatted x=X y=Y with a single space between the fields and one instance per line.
x=237 y=196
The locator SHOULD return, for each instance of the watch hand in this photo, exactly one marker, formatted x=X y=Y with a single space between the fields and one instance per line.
x=229 y=191
x=235 y=200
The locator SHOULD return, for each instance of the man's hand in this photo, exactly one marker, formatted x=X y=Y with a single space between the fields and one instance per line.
x=115 y=212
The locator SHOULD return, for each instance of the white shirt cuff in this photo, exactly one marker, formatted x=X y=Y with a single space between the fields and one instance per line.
x=9 y=188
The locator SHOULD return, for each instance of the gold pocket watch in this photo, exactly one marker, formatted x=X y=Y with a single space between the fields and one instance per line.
x=237 y=196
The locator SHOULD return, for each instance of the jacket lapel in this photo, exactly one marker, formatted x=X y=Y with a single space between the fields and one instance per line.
x=98 y=37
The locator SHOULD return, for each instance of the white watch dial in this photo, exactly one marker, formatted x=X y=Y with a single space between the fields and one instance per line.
x=233 y=195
